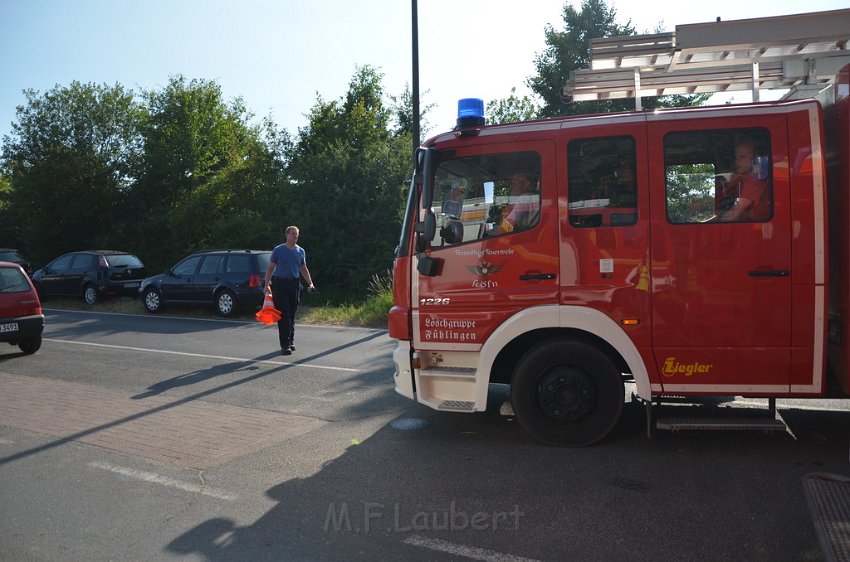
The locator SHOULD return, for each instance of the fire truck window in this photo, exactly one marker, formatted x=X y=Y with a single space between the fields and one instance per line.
x=602 y=182
x=718 y=176
x=485 y=195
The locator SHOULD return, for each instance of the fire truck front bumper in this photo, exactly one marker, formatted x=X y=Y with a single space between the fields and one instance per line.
x=403 y=376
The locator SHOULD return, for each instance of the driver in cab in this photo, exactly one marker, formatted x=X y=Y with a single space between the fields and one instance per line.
x=522 y=210
x=746 y=191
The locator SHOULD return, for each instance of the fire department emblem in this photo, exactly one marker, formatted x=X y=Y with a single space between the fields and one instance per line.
x=485 y=269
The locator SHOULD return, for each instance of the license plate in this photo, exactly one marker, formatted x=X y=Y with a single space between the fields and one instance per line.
x=11 y=327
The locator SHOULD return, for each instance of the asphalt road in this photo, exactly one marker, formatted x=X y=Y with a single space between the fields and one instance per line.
x=159 y=438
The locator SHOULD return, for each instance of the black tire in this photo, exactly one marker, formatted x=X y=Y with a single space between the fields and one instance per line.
x=567 y=393
x=30 y=345
x=152 y=300
x=90 y=294
x=225 y=303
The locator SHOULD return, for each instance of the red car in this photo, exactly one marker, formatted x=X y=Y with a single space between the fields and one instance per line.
x=21 y=317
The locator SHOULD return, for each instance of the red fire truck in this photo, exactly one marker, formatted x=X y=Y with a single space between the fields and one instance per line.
x=611 y=251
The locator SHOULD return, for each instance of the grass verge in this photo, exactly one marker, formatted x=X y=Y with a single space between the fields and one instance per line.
x=370 y=314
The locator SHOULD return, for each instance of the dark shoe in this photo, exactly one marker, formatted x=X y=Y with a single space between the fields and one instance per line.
x=286 y=351
x=291 y=348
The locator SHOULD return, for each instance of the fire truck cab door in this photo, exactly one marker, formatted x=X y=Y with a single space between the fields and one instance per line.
x=721 y=286
x=496 y=247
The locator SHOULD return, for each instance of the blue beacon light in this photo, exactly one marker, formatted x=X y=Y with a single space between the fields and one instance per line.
x=470 y=113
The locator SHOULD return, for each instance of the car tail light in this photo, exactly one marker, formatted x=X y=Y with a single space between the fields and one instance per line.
x=29 y=307
x=254 y=281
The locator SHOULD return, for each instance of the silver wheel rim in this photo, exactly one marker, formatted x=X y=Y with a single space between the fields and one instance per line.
x=152 y=300
x=90 y=295
x=225 y=303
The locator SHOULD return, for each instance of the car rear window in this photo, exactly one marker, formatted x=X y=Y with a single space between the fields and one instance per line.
x=263 y=261
x=238 y=263
x=12 y=280
x=124 y=260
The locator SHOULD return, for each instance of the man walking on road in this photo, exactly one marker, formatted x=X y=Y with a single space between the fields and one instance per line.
x=287 y=265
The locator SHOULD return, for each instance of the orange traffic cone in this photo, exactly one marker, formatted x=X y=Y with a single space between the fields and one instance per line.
x=268 y=314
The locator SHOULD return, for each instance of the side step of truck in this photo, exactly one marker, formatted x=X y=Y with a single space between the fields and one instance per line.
x=752 y=420
x=725 y=423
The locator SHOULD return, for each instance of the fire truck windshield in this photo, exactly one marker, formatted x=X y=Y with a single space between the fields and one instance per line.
x=486 y=195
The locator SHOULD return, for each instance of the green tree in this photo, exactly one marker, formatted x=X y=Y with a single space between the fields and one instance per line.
x=511 y=109
x=9 y=225
x=402 y=108
x=690 y=192
x=255 y=191
x=71 y=160
x=206 y=174
x=568 y=49
x=348 y=174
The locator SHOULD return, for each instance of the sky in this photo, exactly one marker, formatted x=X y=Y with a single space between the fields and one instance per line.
x=279 y=56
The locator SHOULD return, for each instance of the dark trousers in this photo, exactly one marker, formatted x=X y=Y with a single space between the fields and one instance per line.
x=286 y=293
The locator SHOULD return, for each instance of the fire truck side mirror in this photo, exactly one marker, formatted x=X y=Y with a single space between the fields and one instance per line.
x=452 y=233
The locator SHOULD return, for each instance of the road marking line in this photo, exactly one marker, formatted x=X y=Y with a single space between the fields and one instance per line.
x=154 y=478
x=5 y=441
x=465 y=551
x=241 y=359
x=220 y=320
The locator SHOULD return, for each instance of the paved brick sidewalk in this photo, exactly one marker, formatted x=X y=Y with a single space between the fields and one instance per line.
x=183 y=432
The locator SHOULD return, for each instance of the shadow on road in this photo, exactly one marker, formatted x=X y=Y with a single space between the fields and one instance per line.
x=188 y=379
x=459 y=487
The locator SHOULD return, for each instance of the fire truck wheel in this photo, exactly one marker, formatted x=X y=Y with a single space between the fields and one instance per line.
x=567 y=393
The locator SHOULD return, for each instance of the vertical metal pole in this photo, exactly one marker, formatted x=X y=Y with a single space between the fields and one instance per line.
x=638 y=104
x=756 y=82
x=415 y=94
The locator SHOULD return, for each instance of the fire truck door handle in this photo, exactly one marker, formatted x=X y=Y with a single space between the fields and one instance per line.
x=536 y=276
x=770 y=273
